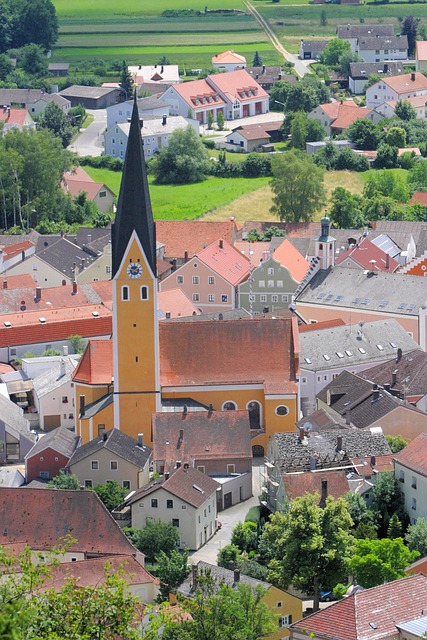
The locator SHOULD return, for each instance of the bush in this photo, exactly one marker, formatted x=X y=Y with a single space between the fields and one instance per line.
x=102 y=162
x=209 y=144
x=256 y=165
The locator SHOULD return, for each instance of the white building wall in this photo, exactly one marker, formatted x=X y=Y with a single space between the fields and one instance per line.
x=414 y=490
x=60 y=402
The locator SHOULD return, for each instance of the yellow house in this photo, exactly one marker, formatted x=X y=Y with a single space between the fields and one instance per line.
x=249 y=364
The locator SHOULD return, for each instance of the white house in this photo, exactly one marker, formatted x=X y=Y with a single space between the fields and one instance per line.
x=353 y=32
x=379 y=48
x=419 y=103
x=359 y=73
x=411 y=471
x=122 y=111
x=229 y=61
x=400 y=87
x=157 y=73
x=54 y=395
x=155 y=133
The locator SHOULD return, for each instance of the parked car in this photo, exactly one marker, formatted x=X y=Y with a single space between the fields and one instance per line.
x=327 y=596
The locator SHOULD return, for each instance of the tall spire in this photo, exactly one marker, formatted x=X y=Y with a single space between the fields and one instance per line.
x=134 y=205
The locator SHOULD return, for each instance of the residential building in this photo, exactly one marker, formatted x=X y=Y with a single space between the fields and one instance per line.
x=267 y=76
x=327 y=351
x=410 y=468
x=284 y=605
x=391 y=88
x=155 y=134
x=217 y=443
x=311 y=49
x=91 y=97
x=112 y=455
x=186 y=498
x=33 y=100
x=14 y=253
x=16 y=439
x=77 y=181
x=58 y=69
x=235 y=93
x=358 y=297
x=247 y=138
x=50 y=454
x=365 y=405
x=158 y=74
x=379 y=48
x=220 y=269
x=16 y=118
x=121 y=112
x=421 y=55
x=175 y=304
x=359 y=73
x=184 y=238
x=336 y=117
x=352 y=32
x=417 y=102
x=417 y=266
x=54 y=395
x=229 y=61
x=367 y=255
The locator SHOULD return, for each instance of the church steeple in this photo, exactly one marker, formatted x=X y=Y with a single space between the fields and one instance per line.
x=134 y=206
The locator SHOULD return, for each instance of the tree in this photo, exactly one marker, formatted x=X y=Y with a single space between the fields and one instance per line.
x=396 y=137
x=345 y=60
x=315 y=131
x=312 y=545
x=257 y=61
x=387 y=500
x=220 y=121
x=364 y=133
x=404 y=110
x=297 y=185
x=111 y=493
x=278 y=94
x=33 y=60
x=301 y=98
x=416 y=536
x=77 y=343
x=396 y=443
x=395 y=527
x=386 y=156
x=54 y=119
x=417 y=178
x=244 y=536
x=6 y=27
x=210 y=120
x=155 y=537
x=171 y=570
x=252 y=568
x=164 y=60
x=323 y=18
x=6 y=66
x=184 y=160
x=37 y=23
x=333 y=50
x=126 y=82
x=299 y=130
x=227 y=554
x=409 y=28
x=345 y=209
x=377 y=561
x=64 y=481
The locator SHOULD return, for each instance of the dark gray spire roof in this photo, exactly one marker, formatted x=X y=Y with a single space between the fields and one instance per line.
x=134 y=206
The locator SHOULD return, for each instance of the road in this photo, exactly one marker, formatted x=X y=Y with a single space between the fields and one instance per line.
x=300 y=67
x=90 y=141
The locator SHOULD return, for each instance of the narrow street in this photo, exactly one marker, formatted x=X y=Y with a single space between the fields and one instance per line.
x=90 y=141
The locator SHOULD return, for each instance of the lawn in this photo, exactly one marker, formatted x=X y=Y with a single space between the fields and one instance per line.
x=186 y=202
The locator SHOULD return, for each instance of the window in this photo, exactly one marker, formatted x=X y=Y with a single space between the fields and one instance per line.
x=270 y=271
x=154 y=503
x=44 y=475
x=279 y=604
x=261 y=283
x=280 y=284
x=88 y=484
x=125 y=293
x=101 y=430
x=179 y=279
x=285 y=620
x=303 y=380
x=224 y=298
x=175 y=522
x=284 y=298
x=64 y=399
x=231 y=468
x=102 y=194
x=13 y=352
x=113 y=465
x=211 y=280
x=282 y=409
x=107 y=269
x=94 y=465
x=263 y=298
x=270 y=284
x=196 y=297
x=195 y=279
x=199 y=520
x=414 y=504
x=211 y=297
x=401 y=476
x=274 y=298
x=254 y=409
x=169 y=504
x=144 y=293
x=229 y=406
x=201 y=468
x=414 y=482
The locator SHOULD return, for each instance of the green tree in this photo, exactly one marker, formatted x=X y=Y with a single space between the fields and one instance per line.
x=171 y=570
x=417 y=177
x=396 y=443
x=252 y=568
x=184 y=160
x=278 y=94
x=333 y=50
x=210 y=120
x=111 y=493
x=6 y=66
x=64 y=481
x=33 y=60
x=299 y=130
x=387 y=500
x=257 y=61
x=6 y=27
x=297 y=185
x=244 y=536
x=386 y=156
x=345 y=209
x=364 y=134
x=77 y=343
x=396 y=137
x=409 y=28
x=395 y=527
x=416 y=536
x=345 y=60
x=387 y=184
x=301 y=97
x=323 y=18
x=155 y=537
x=228 y=553
x=220 y=121
x=315 y=131
x=163 y=60
x=404 y=110
x=377 y=561
x=54 y=119
x=256 y=165
x=37 y=23
x=126 y=82
x=312 y=545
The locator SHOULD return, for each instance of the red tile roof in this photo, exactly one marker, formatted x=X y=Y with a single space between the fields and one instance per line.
x=332 y=109
x=96 y=363
x=414 y=455
x=382 y=463
x=419 y=196
x=13 y=249
x=298 y=484
x=198 y=94
x=292 y=260
x=17 y=282
x=15 y=116
x=176 y=303
x=238 y=84
x=228 y=57
x=254 y=251
x=180 y=236
x=384 y=606
x=348 y=115
x=404 y=82
x=366 y=251
x=77 y=174
x=42 y=517
x=226 y=261
x=51 y=298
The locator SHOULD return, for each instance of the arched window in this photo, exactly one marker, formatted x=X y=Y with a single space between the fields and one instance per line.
x=229 y=406
x=254 y=409
x=144 y=293
x=125 y=293
x=282 y=410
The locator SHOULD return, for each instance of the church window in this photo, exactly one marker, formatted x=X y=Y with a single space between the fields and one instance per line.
x=254 y=409
x=144 y=293
x=125 y=293
x=282 y=409
x=229 y=406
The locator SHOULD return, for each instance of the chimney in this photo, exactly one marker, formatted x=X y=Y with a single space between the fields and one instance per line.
x=38 y=293
x=4 y=284
x=82 y=406
x=74 y=288
x=185 y=256
x=394 y=378
x=140 y=440
x=279 y=76
x=263 y=68
x=313 y=461
x=301 y=434
x=194 y=576
x=373 y=461
x=387 y=386
x=166 y=475
x=387 y=261
x=412 y=77
x=105 y=436
x=322 y=503
x=65 y=349
x=236 y=575
x=375 y=394
x=181 y=434
x=265 y=256
x=221 y=244
x=22 y=256
x=399 y=355
x=185 y=410
x=89 y=238
x=161 y=70
x=164 y=120
x=173 y=265
x=210 y=411
x=62 y=368
x=339 y=443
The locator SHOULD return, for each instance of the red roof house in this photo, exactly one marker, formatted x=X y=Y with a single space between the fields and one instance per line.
x=366 y=255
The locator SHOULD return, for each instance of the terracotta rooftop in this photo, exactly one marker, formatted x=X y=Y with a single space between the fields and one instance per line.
x=254 y=251
x=176 y=303
x=419 y=196
x=298 y=484
x=332 y=109
x=404 y=82
x=180 y=236
x=227 y=261
x=366 y=251
x=371 y=614
x=414 y=455
x=43 y=517
x=368 y=465
x=14 y=116
x=198 y=94
x=348 y=115
x=23 y=281
x=292 y=260
x=96 y=363
x=228 y=57
x=238 y=84
x=14 y=249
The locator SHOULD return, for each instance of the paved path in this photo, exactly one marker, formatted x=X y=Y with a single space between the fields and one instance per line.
x=90 y=141
x=229 y=518
x=300 y=67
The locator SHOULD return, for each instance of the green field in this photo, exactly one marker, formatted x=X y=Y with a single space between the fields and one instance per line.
x=93 y=9
x=186 y=202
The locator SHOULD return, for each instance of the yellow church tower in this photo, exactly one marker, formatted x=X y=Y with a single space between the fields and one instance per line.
x=135 y=323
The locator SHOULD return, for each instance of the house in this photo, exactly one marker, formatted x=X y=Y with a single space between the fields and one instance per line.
x=16 y=439
x=359 y=73
x=228 y=61
x=405 y=376
x=379 y=48
x=386 y=612
x=417 y=102
x=326 y=352
x=43 y=518
x=186 y=498
x=335 y=117
x=175 y=304
x=185 y=238
x=155 y=134
x=54 y=395
x=220 y=269
x=402 y=87
x=11 y=476
x=157 y=74
x=150 y=106
x=286 y=607
x=421 y=55
x=33 y=100
x=367 y=255
x=352 y=32
x=14 y=253
x=112 y=455
x=217 y=443
x=15 y=118
x=365 y=405
x=58 y=69
x=77 y=181
x=314 y=147
x=91 y=97
x=267 y=76
x=235 y=93
x=50 y=454
x=247 y=138
x=410 y=468
x=311 y=49
x=358 y=297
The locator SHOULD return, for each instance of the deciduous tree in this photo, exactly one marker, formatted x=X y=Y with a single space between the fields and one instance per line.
x=155 y=537
x=54 y=119
x=404 y=110
x=111 y=493
x=345 y=209
x=171 y=569
x=184 y=160
x=377 y=561
x=416 y=536
x=333 y=50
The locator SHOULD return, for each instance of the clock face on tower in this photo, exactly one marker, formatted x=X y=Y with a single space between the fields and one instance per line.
x=134 y=270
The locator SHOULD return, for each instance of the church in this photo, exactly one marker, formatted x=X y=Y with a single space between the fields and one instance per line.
x=151 y=365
